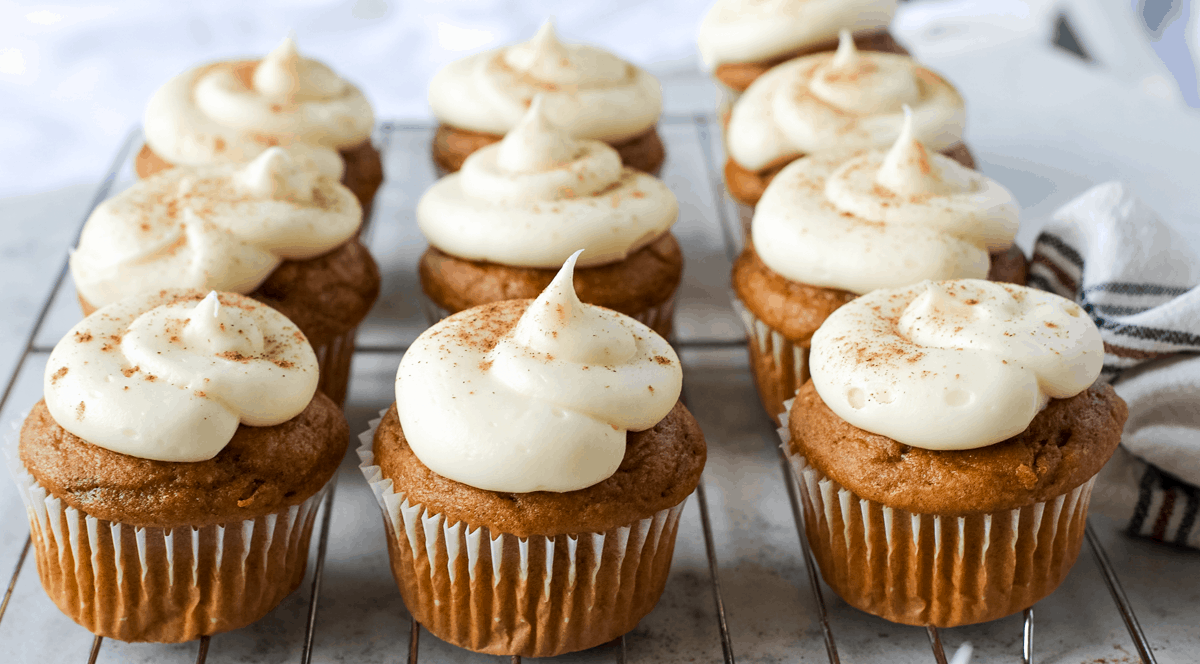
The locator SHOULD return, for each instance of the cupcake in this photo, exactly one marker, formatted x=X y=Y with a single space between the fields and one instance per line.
x=173 y=471
x=271 y=229
x=946 y=448
x=741 y=39
x=843 y=100
x=531 y=473
x=230 y=112
x=837 y=224
x=589 y=91
x=500 y=228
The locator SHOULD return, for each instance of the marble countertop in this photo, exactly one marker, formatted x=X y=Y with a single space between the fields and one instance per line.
x=1041 y=122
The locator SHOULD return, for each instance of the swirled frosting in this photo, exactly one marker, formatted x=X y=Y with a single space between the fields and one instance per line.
x=861 y=220
x=538 y=195
x=170 y=375
x=224 y=227
x=230 y=112
x=758 y=30
x=590 y=92
x=518 y=397
x=848 y=99
x=953 y=365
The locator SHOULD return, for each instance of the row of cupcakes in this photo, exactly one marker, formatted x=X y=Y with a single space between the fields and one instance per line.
x=255 y=205
x=945 y=430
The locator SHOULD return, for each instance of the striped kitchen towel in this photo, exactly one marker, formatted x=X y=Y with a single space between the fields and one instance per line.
x=1137 y=277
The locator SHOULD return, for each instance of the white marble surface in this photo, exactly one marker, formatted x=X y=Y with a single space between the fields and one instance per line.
x=1040 y=122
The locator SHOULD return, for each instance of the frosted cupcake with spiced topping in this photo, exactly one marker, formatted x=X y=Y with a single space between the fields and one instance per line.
x=230 y=112
x=531 y=473
x=182 y=445
x=946 y=448
x=590 y=92
x=844 y=100
x=838 y=224
x=500 y=228
x=273 y=229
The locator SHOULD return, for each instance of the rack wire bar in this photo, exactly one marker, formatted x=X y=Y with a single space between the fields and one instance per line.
x=318 y=571
x=414 y=640
x=935 y=642
x=810 y=565
x=1027 y=638
x=202 y=653
x=1118 y=594
x=95 y=651
x=12 y=583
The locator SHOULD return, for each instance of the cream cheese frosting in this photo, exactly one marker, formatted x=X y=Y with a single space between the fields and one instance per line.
x=169 y=376
x=953 y=365
x=589 y=91
x=868 y=219
x=848 y=99
x=522 y=396
x=758 y=30
x=224 y=227
x=231 y=111
x=538 y=195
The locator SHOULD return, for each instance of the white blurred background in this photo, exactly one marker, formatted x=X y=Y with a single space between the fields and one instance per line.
x=74 y=77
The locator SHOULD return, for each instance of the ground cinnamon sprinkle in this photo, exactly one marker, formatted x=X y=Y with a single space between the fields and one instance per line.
x=58 y=374
x=662 y=360
x=79 y=410
x=129 y=372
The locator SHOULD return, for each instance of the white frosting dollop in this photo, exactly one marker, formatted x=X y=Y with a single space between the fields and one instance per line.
x=759 y=30
x=511 y=398
x=862 y=220
x=589 y=91
x=843 y=100
x=223 y=227
x=170 y=375
x=538 y=195
x=230 y=112
x=953 y=365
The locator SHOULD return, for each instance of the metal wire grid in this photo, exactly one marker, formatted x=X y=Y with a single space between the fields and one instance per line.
x=731 y=234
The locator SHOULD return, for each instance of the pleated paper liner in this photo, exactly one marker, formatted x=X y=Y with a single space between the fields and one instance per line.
x=505 y=595
x=163 y=584
x=926 y=569
x=779 y=366
x=333 y=364
x=659 y=318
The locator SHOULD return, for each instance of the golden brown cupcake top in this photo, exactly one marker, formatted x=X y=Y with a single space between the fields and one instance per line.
x=1064 y=446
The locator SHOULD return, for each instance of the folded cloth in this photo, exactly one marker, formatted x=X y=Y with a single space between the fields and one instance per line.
x=1137 y=277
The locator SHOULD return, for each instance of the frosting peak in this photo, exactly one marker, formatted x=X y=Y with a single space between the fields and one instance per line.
x=170 y=376
x=953 y=365
x=862 y=220
x=538 y=195
x=571 y=379
x=590 y=93
x=223 y=227
x=536 y=144
x=231 y=111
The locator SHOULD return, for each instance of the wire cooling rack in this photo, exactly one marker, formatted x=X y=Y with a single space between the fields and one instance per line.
x=693 y=145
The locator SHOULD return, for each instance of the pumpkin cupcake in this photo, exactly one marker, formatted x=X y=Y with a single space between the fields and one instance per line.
x=272 y=229
x=173 y=471
x=828 y=101
x=229 y=112
x=500 y=228
x=741 y=39
x=549 y=529
x=946 y=448
x=838 y=224
x=590 y=92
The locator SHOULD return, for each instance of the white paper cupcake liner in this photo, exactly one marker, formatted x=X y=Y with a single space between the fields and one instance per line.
x=536 y=596
x=333 y=363
x=922 y=569
x=780 y=366
x=162 y=584
x=660 y=318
